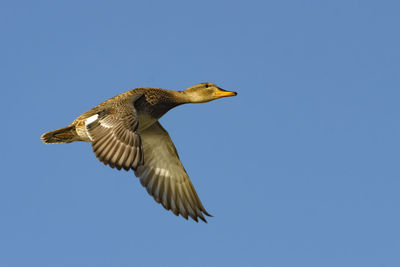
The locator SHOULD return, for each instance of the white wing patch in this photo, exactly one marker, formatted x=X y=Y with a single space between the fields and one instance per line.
x=91 y=119
x=88 y=121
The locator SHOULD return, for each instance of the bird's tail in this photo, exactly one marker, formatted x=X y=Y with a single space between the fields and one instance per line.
x=63 y=135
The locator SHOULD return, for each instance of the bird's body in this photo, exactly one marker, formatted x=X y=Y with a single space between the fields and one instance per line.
x=125 y=134
x=155 y=103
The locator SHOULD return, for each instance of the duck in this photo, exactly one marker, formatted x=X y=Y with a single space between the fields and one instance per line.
x=125 y=133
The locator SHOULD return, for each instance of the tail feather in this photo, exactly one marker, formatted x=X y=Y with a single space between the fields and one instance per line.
x=63 y=135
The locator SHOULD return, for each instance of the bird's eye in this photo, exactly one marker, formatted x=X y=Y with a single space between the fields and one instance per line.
x=207 y=85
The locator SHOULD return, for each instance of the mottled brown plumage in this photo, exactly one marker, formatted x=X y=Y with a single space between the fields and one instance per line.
x=125 y=134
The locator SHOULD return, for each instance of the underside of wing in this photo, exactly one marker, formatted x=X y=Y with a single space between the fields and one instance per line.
x=164 y=176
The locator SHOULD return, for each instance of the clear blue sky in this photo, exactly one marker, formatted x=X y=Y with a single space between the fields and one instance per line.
x=300 y=169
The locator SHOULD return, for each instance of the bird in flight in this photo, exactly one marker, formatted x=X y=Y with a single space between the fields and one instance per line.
x=125 y=134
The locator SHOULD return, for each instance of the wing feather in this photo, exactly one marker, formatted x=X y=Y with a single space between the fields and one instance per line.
x=164 y=176
x=114 y=134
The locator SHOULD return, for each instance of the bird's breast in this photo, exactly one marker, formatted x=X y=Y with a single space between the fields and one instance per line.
x=145 y=120
x=149 y=112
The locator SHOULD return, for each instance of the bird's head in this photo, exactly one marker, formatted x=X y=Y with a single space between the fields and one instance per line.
x=205 y=92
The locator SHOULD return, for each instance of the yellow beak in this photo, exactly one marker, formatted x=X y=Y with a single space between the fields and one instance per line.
x=223 y=93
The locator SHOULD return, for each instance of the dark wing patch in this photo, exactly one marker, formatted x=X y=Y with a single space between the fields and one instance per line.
x=164 y=176
x=115 y=140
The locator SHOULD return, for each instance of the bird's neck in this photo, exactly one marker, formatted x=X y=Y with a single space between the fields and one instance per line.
x=180 y=97
x=185 y=97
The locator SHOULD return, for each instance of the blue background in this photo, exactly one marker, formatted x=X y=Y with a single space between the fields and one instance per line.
x=300 y=169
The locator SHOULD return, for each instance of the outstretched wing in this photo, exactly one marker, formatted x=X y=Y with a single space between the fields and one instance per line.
x=164 y=176
x=115 y=139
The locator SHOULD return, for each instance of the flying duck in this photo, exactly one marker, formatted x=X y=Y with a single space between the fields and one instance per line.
x=125 y=134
